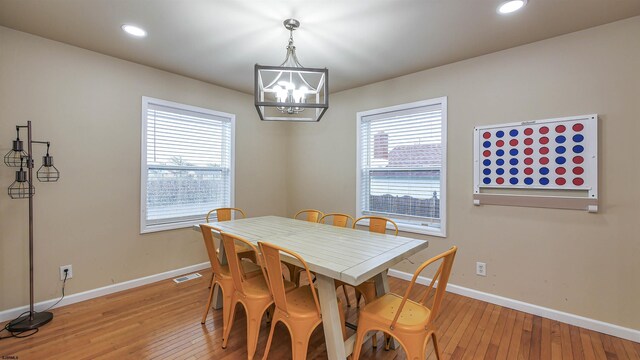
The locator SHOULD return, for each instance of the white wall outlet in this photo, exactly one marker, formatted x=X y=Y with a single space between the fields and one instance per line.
x=481 y=269
x=69 y=272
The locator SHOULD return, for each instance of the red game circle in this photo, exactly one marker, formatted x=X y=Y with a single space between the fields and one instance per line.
x=528 y=161
x=528 y=151
x=578 y=159
x=500 y=180
x=544 y=150
x=560 y=170
x=486 y=153
x=561 y=181
x=528 y=171
x=486 y=135
x=528 y=141
x=560 y=128
x=578 y=181
x=544 y=160
x=513 y=142
x=544 y=130
x=499 y=143
x=528 y=131
x=578 y=170
x=578 y=127
x=544 y=140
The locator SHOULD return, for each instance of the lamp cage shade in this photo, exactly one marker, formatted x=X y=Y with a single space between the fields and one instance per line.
x=291 y=93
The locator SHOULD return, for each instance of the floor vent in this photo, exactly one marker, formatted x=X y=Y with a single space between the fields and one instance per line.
x=182 y=279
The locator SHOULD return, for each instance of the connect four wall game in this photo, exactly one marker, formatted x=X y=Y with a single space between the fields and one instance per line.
x=559 y=155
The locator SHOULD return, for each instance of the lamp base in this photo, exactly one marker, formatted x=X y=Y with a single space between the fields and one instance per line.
x=24 y=323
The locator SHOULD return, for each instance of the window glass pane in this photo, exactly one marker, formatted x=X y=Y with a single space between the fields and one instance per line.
x=188 y=163
x=401 y=157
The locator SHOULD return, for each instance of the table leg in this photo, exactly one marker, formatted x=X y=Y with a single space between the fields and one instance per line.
x=330 y=318
x=382 y=287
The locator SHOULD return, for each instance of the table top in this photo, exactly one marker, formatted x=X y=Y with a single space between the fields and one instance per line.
x=349 y=255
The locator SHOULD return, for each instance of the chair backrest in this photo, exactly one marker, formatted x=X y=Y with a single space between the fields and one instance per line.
x=229 y=242
x=311 y=215
x=271 y=260
x=441 y=277
x=225 y=214
x=377 y=224
x=207 y=235
x=339 y=219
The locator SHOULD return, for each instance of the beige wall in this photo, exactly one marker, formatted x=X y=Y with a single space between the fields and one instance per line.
x=573 y=261
x=88 y=105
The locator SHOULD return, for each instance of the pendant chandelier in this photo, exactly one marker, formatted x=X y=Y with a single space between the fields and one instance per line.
x=291 y=92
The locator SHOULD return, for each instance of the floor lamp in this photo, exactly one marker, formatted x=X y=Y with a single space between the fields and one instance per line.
x=23 y=188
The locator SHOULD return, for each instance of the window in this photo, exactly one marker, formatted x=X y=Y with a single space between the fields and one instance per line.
x=187 y=164
x=402 y=165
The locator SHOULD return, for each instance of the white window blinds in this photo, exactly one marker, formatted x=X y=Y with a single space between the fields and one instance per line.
x=187 y=164
x=402 y=164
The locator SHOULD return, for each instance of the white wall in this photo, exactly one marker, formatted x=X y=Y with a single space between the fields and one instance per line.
x=572 y=261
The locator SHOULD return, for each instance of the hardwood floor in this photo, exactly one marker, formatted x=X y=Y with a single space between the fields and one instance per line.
x=162 y=321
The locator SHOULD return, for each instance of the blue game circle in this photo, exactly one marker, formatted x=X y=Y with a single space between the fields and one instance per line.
x=513 y=161
x=513 y=132
x=500 y=152
x=513 y=152
x=486 y=162
x=544 y=181
x=544 y=170
x=528 y=181
x=499 y=171
x=513 y=171
x=486 y=171
x=578 y=138
x=486 y=144
x=560 y=160
x=561 y=149
x=500 y=162
x=560 y=139
x=500 y=133
x=513 y=180
x=578 y=149
x=486 y=180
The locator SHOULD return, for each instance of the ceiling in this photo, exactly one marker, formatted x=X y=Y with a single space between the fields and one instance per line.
x=359 y=41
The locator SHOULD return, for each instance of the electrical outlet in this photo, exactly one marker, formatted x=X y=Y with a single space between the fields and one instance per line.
x=481 y=269
x=69 y=272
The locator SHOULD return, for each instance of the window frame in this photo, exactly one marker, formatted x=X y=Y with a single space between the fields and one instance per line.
x=403 y=226
x=146 y=101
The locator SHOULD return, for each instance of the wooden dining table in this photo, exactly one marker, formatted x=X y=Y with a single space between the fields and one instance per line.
x=332 y=253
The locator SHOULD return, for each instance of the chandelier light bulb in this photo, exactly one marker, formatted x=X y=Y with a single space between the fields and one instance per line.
x=508 y=7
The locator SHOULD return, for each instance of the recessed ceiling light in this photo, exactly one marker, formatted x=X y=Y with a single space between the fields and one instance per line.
x=511 y=6
x=134 y=30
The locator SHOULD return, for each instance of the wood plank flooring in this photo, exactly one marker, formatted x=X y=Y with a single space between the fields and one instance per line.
x=162 y=321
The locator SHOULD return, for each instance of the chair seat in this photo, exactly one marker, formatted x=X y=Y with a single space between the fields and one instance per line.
x=250 y=269
x=414 y=315
x=257 y=286
x=300 y=302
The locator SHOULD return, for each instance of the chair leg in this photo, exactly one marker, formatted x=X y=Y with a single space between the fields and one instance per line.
x=358 y=297
x=227 y=331
x=266 y=350
x=211 y=280
x=346 y=295
x=357 y=346
x=206 y=309
x=415 y=348
x=299 y=347
x=435 y=345
x=254 y=320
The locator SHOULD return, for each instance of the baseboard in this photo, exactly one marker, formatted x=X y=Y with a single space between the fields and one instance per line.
x=106 y=290
x=572 y=319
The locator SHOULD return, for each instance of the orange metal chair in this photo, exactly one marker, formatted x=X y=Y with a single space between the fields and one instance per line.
x=410 y=322
x=311 y=215
x=252 y=292
x=338 y=219
x=299 y=309
x=377 y=224
x=221 y=275
x=341 y=220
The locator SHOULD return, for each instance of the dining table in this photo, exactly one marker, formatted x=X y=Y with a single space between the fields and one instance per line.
x=332 y=253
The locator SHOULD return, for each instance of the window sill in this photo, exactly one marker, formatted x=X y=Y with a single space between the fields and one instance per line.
x=410 y=228
x=146 y=229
